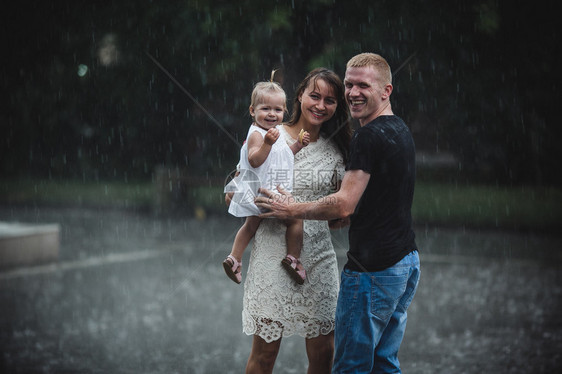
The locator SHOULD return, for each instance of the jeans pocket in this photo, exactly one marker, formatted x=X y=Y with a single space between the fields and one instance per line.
x=349 y=285
x=386 y=292
x=411 y=288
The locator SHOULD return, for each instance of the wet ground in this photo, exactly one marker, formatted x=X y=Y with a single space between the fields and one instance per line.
x=133 y=293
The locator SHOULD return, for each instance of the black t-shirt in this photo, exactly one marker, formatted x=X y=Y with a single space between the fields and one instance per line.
x=381 y=233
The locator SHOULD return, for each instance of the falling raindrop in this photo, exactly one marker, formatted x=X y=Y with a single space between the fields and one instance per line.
x=82 y=70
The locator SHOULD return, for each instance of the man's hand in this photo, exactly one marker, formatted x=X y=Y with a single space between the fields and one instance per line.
x=276 y=204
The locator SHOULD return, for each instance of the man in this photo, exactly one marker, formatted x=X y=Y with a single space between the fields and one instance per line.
x=381 y=275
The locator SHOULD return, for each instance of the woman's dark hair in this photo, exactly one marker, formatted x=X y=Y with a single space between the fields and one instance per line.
x=337 y=128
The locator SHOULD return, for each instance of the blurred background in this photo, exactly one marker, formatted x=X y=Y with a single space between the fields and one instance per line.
x=89 y=116
x=120 y=122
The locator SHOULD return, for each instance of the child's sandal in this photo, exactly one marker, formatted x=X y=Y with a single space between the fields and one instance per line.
x=294 y=268
x=233 y=269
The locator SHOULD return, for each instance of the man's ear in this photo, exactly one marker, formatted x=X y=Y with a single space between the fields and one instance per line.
x=387 y=91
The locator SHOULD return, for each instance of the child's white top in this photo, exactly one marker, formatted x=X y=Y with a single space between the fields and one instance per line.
x=276 y=170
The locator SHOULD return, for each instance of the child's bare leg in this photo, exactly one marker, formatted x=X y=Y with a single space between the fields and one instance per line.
x=244 y=235
x=233 y=263
x=294 y=237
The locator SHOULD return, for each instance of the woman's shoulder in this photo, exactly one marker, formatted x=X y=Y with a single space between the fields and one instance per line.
x=328 y=143
x=322 y=153
x=284 y=129
x=332 y=151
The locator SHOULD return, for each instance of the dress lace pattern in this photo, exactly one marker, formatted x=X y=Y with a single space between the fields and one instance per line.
x=274 y=305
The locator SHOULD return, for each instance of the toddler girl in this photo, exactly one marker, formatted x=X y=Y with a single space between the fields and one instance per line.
x=266 y=160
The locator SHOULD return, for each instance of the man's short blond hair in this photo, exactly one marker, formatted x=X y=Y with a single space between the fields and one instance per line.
x=376 y=61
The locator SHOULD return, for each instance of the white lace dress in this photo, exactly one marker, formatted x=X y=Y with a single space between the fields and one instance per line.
x=274 y=305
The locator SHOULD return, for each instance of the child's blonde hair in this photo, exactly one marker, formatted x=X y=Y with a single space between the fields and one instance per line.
x=262 y=89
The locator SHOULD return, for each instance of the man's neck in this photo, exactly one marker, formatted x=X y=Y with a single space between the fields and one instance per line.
x=385 y=111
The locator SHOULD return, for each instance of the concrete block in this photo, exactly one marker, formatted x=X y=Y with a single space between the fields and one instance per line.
x=27 y=244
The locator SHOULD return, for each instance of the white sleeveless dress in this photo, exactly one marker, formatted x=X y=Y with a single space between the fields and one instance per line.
x=276 y=170
x=274 y=305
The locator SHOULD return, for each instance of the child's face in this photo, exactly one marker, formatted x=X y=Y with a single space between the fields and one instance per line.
x=269 y=113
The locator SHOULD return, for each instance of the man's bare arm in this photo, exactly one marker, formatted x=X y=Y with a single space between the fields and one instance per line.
x=337 y=205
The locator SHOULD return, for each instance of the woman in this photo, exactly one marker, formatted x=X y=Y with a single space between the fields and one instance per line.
x=274 y=306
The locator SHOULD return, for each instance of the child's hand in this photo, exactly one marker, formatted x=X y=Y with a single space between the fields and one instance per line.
x=271 y=136
x=304 y=138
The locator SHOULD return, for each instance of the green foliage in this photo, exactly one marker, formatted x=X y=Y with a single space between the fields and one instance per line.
x=77 y=193
x=485 y=206
x=482 y=83
x=535 y=208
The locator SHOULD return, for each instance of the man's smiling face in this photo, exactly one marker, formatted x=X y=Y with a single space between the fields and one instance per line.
x=364 y=94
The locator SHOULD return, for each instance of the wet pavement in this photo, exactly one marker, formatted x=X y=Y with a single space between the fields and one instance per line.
x=134 y=293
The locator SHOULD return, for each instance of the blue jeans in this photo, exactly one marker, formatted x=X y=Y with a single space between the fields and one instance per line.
x=371 y=317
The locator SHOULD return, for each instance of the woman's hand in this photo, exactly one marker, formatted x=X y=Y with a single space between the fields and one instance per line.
x=228 y=198
x=338 y=223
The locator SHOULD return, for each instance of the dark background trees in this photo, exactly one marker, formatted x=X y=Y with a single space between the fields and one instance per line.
x=84 y=99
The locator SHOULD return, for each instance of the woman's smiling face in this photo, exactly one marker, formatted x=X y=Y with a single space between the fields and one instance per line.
x=318 y=102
